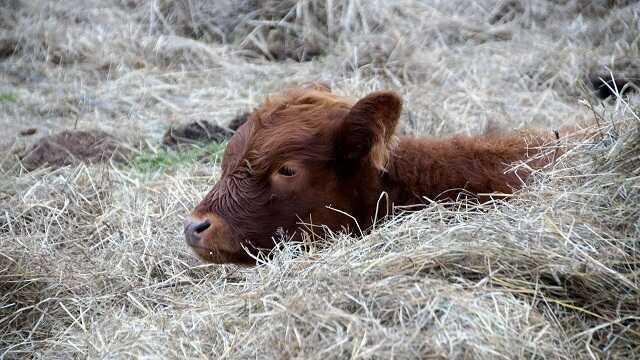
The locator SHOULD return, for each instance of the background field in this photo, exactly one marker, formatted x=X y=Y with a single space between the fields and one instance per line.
x=92 y=261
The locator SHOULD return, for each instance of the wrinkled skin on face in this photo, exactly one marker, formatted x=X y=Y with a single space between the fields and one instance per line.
x=299 y=158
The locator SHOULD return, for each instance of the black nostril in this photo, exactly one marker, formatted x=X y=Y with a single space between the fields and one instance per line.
x=202 y=226
x=193 y=229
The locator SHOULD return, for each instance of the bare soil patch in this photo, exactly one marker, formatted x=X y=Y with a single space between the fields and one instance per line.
x=201 y=131
x=71 y=147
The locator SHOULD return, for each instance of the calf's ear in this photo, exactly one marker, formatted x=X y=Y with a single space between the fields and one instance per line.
x=367 y=131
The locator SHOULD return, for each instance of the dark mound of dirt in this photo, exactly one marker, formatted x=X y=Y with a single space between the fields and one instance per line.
x=622 y=76
x=71 y=147
x=237 y=121
x=605 y=85
x=8 y=46
x=28 y=131
x=201 y=131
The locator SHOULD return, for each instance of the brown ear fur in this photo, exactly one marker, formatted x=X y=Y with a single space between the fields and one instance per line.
x=369 y=128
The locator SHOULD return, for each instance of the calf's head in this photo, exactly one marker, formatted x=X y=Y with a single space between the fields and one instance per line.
x=303 y=160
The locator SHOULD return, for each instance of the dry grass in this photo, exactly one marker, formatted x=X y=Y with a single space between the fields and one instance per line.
x=92 y=262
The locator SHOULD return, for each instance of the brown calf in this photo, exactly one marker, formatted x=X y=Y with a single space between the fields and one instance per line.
x=307 y=156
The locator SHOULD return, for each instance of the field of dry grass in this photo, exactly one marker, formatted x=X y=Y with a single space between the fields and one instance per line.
x=92 y=261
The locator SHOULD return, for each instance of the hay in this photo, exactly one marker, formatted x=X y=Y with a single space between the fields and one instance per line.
x=92 y=261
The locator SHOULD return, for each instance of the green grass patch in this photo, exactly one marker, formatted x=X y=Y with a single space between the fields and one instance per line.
x=7 y=96
x=168 y=159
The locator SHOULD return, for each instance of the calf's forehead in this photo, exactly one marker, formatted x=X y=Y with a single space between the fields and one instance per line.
x=292 y=130
x=287 y=122
x=299 y=108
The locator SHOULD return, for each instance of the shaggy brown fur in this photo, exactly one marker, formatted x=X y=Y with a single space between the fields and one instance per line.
x=308 y=156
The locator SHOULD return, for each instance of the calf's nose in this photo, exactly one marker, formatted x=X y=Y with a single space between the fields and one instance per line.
x=193 y=228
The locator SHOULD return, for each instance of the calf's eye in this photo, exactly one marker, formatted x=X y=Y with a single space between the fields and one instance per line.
x=286 y=171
